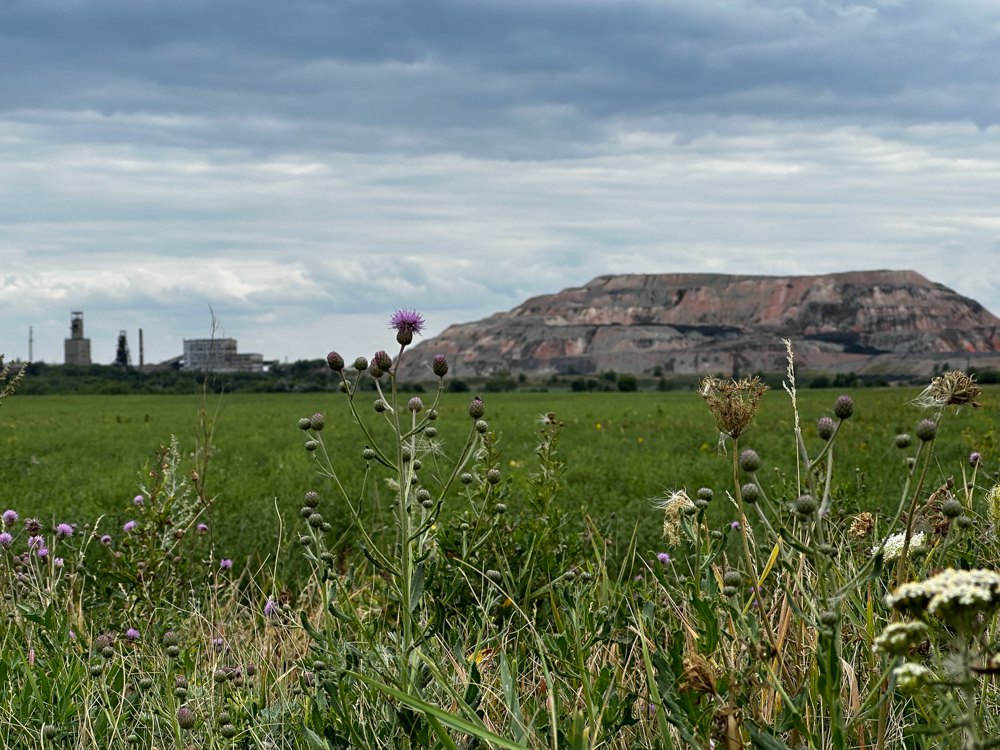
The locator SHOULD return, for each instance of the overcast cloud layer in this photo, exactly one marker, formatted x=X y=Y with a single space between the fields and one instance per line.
x=304 y=168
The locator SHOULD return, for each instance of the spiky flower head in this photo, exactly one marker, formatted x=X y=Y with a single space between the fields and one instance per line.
x=32 y=526
x=926 y=429
x=10 y=517
x=974 y=458
x=406 y=323
x=415 y=404
x=476 y=408
x=733 y=403
x=335 y=361
x=955 y=388
x=843 y=407
x=64 y=530
x=6 y=539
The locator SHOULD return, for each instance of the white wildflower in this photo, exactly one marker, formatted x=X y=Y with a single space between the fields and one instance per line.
x=894 y=545
x=911 y=676
x=950 y=595
x=898 y=637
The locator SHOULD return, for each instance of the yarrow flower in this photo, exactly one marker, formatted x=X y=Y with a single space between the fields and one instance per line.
x=893 y=546
x=898 y=637
x=64 y=530
x=10 y=517
x=406 y=323
x=953 y=595
x=911 y=676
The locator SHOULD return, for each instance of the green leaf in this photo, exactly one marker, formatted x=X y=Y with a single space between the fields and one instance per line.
x=416 y=585
x=448 y=719
x=513 y=703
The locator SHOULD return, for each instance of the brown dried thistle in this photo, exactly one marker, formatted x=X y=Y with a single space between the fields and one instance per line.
x=733 y=403
x=955 y=388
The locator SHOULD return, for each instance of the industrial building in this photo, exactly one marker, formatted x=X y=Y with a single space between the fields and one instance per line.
x=76 y=348
x=219 y=355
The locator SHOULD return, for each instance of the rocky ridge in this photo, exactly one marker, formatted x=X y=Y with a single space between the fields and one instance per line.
x=889 y=322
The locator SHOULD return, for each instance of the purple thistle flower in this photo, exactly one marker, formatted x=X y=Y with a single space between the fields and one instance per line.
x=137 y=500
x=202 y=528
x=409 y=321
x=132 y=634
x=58 y=562
x=64 y=530
x=129 y=526
x=5 y=539
x=217 y=644
x=270 y=607
x=664 y=558
x=974 y=458
x=106 y=539
x=35 y=541
x=226 y=564
x=42 y=552
x=10 y=517
x=734 y=525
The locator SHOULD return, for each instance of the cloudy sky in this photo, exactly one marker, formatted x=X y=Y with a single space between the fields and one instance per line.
x=302 y=168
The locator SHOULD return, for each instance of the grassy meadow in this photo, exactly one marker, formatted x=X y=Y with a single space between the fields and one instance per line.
x=533 y=570
x=80 y=457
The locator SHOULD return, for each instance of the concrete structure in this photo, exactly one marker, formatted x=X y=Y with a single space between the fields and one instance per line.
x=76 y=347
x=219 y=355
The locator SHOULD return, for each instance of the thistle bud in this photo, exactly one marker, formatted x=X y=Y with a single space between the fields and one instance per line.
x=750 y=493
x=367 y=454
x=185 y=718
x=825 y=428
x=805 y=505
x=706 y=494
x=844 y=407
x=361 y=364
x=477 y=408
x=439 y=365
x=304 y=423
x=903 y=440
x=317 y=421
x=382 y=361
x=415 y=404
x=312 y=498
x=482 y=426
x=335 y=361
x=749 y=460
x=926 y=429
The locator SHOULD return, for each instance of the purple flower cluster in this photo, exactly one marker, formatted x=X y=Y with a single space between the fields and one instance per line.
x=10 y=517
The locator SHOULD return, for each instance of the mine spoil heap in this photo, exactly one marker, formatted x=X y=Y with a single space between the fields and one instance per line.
x=886 y=322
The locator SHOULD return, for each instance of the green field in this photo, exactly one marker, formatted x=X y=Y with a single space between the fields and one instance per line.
x=75 y=458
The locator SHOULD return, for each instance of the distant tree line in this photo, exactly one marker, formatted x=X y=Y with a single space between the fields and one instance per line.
x=305 y=376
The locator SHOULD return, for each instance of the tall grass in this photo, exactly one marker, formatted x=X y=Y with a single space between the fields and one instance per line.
x=451 y=597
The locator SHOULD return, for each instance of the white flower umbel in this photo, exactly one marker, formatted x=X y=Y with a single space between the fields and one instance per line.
x=911 y=676
x=898 y=637
x=893 y=546
x=952 y=595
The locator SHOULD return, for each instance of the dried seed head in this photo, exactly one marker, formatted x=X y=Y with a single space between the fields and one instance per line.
x=954 y=388
x=733 y=403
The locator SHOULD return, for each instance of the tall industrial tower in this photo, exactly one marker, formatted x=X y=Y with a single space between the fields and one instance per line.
x=76 y=347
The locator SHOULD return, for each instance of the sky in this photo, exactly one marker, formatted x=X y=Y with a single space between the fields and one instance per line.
x=297 y=170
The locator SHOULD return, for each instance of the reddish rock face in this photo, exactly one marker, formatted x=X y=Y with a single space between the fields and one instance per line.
x=893 y=322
